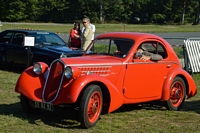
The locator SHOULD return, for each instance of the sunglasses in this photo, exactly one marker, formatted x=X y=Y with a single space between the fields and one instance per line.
x=84 y=22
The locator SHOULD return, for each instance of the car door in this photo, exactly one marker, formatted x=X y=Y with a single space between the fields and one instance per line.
x=144 y=79
x=16 y=53
x=5 y=39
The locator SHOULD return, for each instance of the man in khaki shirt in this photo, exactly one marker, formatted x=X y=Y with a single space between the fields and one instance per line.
x=87 y=33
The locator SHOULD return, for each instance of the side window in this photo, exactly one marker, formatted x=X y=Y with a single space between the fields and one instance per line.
x=162 y=51
x=18 y=38
x=154 y=47
x=6 y=38
x=148 y=46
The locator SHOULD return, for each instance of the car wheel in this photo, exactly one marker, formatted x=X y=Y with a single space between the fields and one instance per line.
x=177 y=94
x=26 y=106
x=90 y=106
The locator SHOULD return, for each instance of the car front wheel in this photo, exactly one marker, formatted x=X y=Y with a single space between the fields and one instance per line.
x=177 y=94
x=90 y=106
x=26 y=106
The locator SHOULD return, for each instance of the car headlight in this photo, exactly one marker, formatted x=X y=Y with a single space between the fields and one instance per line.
x=37 y=68
x=40 y=67
x=68 y=72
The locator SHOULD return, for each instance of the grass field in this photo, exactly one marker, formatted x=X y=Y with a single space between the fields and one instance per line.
x=143 y=118
x=102 y=28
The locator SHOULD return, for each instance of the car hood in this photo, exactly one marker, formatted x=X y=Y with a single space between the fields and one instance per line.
x=59 y=49
x=111 y=68
x=93 y=60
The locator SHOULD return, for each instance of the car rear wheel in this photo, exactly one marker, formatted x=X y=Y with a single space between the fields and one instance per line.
x=90 y=106
x=26 y=106
x=177 y=94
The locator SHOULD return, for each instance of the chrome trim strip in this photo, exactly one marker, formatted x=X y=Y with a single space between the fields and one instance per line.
x=98 y=65
x=160 y=62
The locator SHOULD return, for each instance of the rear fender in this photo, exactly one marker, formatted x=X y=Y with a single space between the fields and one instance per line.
x=190 y=84
x=30 y=85
x=75 y=88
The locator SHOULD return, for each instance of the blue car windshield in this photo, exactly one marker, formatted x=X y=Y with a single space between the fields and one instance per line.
x=46 y=38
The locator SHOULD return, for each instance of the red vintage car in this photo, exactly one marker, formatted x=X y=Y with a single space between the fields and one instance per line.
x=112 y=72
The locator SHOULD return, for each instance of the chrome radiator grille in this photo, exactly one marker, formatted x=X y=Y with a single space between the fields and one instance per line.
x=53 y=81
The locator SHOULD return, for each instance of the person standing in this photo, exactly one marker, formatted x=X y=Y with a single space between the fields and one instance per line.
x=75 y=34
x=87 y=33
x=92 y=27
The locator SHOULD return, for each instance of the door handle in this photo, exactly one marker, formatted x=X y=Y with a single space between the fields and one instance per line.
x=168 y=66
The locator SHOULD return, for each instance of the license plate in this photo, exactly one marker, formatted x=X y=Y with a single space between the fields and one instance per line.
x=42 y=105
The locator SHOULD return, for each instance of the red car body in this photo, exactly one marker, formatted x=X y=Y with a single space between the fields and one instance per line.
x=100 y=80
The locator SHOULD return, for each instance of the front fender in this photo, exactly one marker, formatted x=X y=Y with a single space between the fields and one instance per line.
x=30 y=85
x=169 y=79
x=75 y=88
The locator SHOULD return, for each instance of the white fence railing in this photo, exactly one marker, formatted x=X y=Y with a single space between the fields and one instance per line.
x=192 y=54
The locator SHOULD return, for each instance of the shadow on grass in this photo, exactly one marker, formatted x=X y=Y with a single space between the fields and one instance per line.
x=159 y=105
x=13 y=69
x=64 y=117
x=67 y=118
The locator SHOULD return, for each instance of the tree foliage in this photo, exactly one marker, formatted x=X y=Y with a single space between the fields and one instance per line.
x=120 y=11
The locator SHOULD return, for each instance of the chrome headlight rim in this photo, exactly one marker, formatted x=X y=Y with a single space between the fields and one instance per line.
x=68 y=72
x=37 y=68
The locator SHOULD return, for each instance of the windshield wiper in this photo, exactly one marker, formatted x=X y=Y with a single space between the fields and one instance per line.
x=45 y=43
x=54 y=43
x=57 y=44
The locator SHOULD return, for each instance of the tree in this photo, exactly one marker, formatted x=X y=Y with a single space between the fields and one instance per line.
x=197 y=12
x=124 y=11
x=184 y=5
x=14 y=10
x=32 y=10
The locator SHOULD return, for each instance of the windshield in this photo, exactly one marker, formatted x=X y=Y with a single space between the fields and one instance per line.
x=46 y=38
x=112 y=47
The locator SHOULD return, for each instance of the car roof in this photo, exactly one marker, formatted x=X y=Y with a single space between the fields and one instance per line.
x=128 y=35
x=28 y=30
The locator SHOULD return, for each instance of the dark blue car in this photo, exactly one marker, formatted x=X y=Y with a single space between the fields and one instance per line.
x=48 y=47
